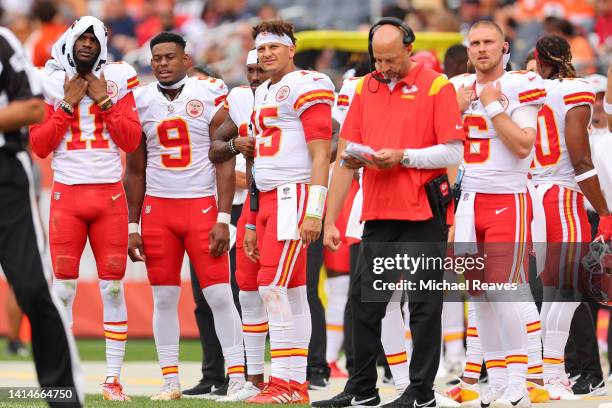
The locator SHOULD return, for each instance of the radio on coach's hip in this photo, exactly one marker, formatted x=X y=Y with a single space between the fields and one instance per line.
x=254 y=197
x=439 y=195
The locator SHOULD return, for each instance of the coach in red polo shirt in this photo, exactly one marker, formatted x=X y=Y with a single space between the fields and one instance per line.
x=409 y=116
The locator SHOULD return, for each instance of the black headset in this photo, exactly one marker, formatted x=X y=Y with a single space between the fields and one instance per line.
x=408 y=38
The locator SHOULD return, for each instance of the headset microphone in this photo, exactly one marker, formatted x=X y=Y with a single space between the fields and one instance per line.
x=408 y=38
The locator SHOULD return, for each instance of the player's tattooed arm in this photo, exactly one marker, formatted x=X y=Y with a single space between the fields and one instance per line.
x=226 y=186
x=134 y=184
x=334 y=141
x=577 y=122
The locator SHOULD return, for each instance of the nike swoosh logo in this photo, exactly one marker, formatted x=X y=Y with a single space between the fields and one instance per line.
x=497 y=212
x=204 y=211
x=425 y=404
x=116 y=197
x=458 y=127
x=355 y=402
x=515 y=403
x=483 y=405
x=134 y=108
x=531 y=79
x=317 y=78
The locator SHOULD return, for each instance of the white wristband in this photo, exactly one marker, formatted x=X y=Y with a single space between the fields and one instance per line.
x=607 y=107
x=586 y=175
x=493 y=109
x=224 y=218
x=316 y=201
x=133 y=228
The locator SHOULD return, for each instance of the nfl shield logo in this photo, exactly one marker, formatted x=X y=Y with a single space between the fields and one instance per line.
x=286 y=190
x=56 y=195
x=147 y=209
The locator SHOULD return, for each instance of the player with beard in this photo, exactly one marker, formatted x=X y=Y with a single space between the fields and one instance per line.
x=234 y=139
x=172 y=185
x=90 y=115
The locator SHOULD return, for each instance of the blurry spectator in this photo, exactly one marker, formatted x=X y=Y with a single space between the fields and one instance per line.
x=455 y=60
x=583 y=56
x=51 y=28
x=160 y=17
x=443 y=21
x=20 y=7
x=530 y=62
x=603 y=25
x=580 y=13
x=20 y=26
x=234 y=10
x=267 y=11
x=121 y=27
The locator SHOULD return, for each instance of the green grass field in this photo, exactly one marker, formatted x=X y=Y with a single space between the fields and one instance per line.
x=136 y=350
x=96 y=401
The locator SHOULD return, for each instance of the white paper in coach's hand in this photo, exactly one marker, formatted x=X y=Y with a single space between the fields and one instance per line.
x=360 y=152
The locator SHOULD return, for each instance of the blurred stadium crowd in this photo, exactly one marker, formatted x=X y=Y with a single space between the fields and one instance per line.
x=219 y=31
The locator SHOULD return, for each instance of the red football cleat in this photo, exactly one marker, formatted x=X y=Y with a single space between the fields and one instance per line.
x=113 y=391
x=299 y=392
x=276 y=391
x=336 y=372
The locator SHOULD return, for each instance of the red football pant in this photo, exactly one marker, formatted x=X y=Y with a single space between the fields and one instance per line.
x=282 y=263
x=246 y=270
x=339 y=261
x=566 y=222
x=94 y=211
x=502 y=224
x=172 y=225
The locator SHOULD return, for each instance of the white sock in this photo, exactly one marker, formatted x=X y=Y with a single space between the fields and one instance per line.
x=280 y=321
x=474 y=355
x=407 y=333
x=534 y=340
x=166 y=330
x=452 y=330
x=393 y=344
x=514 y=340
x=227 y=326
x=254 y=330
x=557 y=323
x=302 y=329
x=115 y=325
x=337 y=291
x=65 y=289
x=490 y=338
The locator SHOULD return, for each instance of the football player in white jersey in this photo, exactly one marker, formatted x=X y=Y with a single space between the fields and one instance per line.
x=500 y=116
x=90 y=116
x=233 y=139
x=178 y=210
x=293 y=127
x=564 y=175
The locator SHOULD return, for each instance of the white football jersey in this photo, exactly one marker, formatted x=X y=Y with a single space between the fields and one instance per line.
x=281 y=151
x=344 y=99
x=552 y=163
x=239 y=105
x=87 y=154
x=177 y=137
x=489 y=166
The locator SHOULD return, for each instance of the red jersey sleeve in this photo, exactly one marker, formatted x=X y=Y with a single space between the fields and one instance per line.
x=448 y=125
x=46 y=136
x=317 y=123
x=123 y=124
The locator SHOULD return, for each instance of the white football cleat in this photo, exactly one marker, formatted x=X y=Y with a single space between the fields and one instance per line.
x=559 y=389
x=246 y=391
x=515 y=396
x=168 y=392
